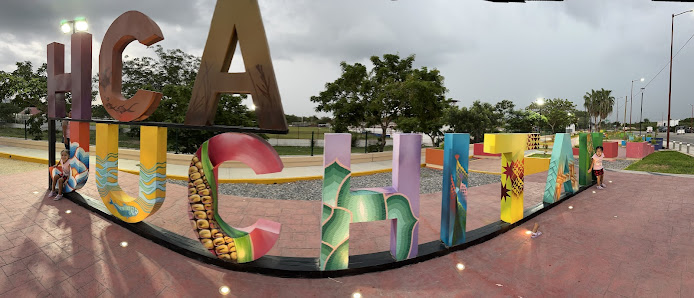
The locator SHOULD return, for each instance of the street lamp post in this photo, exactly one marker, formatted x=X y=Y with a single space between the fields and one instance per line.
x=78 y=24
x=631 y=109
x=692 y=117
x=669 y=96
x=624 y=124
x=641 y=116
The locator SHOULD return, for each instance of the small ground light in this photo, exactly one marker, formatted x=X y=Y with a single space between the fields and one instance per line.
x=593 y=191
x=610 y=181
x=124 y=244
x=528 y=232
x=356 y=295
x=36 y=192
x=460 y=266
x=224 y=290
x=571 y=207
x=68 y=211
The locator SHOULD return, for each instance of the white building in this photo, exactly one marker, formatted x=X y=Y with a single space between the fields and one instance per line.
x=673 y=122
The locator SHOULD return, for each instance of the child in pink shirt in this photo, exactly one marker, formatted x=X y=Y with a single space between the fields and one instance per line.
x=596 y=167
x=62 y=177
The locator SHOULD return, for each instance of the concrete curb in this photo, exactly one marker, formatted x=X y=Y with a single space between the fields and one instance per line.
x=652 y=173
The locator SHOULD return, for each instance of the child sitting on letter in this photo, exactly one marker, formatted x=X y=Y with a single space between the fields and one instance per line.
x=63 y=175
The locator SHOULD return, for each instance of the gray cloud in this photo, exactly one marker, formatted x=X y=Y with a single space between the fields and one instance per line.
x=487 y=51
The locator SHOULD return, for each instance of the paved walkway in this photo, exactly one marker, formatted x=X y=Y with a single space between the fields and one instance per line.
x=628 y=240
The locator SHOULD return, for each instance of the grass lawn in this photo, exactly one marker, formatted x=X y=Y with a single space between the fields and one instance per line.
x=541 y=155
x=665 y=162
x=124 y=141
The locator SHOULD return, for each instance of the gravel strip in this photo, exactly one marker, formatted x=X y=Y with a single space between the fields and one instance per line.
x=310 y=190
x=619 y=164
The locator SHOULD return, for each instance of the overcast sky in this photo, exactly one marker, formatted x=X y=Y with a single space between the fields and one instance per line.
x=486 y=51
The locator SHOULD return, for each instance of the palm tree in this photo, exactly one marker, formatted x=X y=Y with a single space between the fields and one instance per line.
x=591 y=104
x=605 y=104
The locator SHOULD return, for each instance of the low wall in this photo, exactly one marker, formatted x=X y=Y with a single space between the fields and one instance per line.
x=535 y=165
x=611 y=149
x=478 y=150
x=434 y=157
x=639 y=150
x=184 y=159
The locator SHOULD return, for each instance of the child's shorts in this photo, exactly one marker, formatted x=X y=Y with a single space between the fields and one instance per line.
x=598 y=172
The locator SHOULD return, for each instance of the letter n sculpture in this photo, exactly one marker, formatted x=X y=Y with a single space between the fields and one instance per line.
x=342 y=206
x=454 y=195
x=512 y=148
x=561 y=169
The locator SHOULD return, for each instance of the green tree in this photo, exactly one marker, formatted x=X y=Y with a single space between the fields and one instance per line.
x=558 y=112
x=599 y=104
x=381 y=96
x=477 y=120
x=173 y=74
x=592 y=104
x=605 y=104
x=524 y=121
x=425 y=104
x=22 y=88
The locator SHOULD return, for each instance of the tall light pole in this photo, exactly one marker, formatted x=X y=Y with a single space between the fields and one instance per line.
x=641 y=117
x=669 y=96
x=631 y=109
x=78 y=24
x=626 y=98
x=692 y=117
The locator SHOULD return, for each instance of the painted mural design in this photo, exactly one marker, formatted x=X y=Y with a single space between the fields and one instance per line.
x=512 y=147
x=152 y=184
x=342 y=206
x=221 y=239
x=454 y=193
x=561 y=169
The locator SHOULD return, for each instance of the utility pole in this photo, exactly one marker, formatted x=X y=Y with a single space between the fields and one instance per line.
x=625 y=112
x=641 y=117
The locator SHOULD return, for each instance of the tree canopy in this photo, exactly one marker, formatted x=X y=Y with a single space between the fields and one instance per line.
x=173 y=72
x=392 y=92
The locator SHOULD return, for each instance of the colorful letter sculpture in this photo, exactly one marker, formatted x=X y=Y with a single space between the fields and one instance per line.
x=561 y=169
x=236 y=21
x=79 y=165
x=227 y=243
x=512 y=148
x=533 y=141
x=79 y=84
x=152 y=173
x=454 y=194
x=341 y=206
x=586 y=148
x=130 y=26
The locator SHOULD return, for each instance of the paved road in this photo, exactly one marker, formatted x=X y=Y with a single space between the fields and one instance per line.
x=685 y=138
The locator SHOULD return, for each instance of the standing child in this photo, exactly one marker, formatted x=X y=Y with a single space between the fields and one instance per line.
x=596 y=167
x=62 y=177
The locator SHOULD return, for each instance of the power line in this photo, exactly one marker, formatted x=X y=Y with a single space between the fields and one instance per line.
x=668 y=63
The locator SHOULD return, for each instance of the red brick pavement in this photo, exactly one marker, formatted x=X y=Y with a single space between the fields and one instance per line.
x=632 y=239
